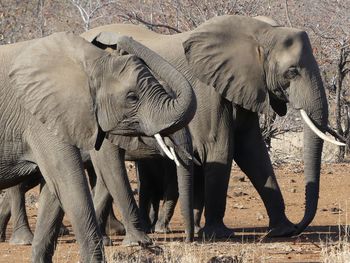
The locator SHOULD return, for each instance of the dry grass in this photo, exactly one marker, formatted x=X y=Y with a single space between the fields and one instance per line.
x=337 y=251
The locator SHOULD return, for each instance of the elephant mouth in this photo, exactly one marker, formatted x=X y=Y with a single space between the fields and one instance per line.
x=281 y=92
x=132 y=129
x=125 y=128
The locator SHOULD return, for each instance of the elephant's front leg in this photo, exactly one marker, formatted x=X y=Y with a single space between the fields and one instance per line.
x=62 y=169
x=109 y=162
x=170 y=196
x=146 y=171
x=251 y=155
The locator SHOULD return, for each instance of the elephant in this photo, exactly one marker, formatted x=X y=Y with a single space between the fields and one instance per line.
x=13 y=202
x=60 y=94
x=239 y=67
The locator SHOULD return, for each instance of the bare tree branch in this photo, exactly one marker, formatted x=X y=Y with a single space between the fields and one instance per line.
x=88 y=12
x=134 y=16
x=335 y=134
x=320 y=34
x=287 y=13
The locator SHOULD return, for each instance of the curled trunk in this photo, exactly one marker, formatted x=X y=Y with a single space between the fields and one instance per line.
x=178 y=110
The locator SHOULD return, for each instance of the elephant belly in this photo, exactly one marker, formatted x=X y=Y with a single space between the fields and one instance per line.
x=12 y=173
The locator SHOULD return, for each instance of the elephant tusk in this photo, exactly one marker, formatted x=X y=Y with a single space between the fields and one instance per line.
x=163 y=146
x=320 y=134
x=175 y=158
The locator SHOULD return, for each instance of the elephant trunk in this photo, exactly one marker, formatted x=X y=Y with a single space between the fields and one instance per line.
x=185 y=181
x=177 y=110
x=312 y=100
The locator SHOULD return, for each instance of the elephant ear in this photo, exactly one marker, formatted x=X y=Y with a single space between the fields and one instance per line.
x=50 y=79
x=223 y=55
x=104 y=40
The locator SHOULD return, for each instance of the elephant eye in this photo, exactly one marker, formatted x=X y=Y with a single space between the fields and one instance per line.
x=291 y=73
x=132 y=98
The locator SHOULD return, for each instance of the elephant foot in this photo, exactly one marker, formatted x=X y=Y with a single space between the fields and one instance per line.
x=63 y=231
x=137 y=238
x=197 y=228
x=114 y=227
x=107 y=241
x=21 y=236
x=215 y=231
x=283 y=229
x=162 y=227
x=2 y=236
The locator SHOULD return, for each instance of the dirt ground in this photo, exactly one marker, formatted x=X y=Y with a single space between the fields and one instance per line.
x=246 y=214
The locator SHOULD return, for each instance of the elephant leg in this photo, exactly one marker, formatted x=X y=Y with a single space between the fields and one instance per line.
x=154 y=210
x=103 y=207
x=113 y=225
x=103 y=204
x=50 y=216
x=21 y=235
x=62 y=169
x=146 y=192
x=217 y=174
x=170 y=197
x=109 y=163
x=198 y=191
x=5 y=215
x=252 y=157
x=104 y=211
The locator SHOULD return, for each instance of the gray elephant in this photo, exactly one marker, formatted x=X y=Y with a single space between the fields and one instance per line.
x=13 y=202
x=61 y=93
x=252 y=65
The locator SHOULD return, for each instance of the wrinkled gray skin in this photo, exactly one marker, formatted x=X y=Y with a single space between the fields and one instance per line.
x=61 y=93
x=146 y=148
x=13 y=202
x=12 y=206
x=252 y=65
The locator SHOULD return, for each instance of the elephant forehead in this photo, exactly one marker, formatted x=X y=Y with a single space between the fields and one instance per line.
x=128 y=69
x=288 y=50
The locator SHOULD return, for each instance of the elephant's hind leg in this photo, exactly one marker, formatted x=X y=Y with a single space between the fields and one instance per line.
x=21 y=235
x=5 y=214
x=50 y=216
x=216 y=170
x=104 y=209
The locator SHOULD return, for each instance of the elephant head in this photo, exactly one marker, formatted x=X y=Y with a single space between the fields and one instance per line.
x=84 y=94
x=256 y=64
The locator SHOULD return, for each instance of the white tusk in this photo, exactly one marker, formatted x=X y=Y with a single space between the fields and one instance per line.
x=320 y=134
x=175 y=158
x=163 y=146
